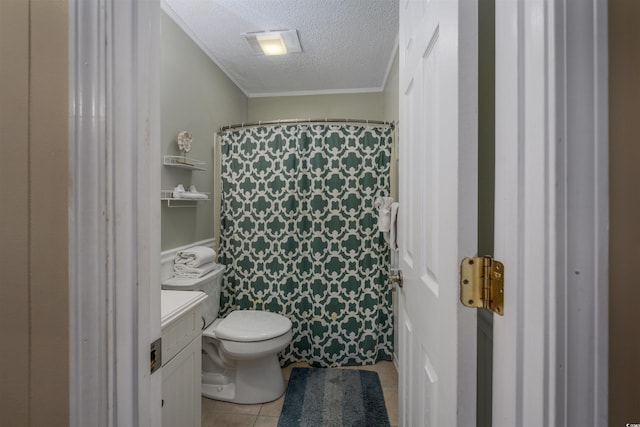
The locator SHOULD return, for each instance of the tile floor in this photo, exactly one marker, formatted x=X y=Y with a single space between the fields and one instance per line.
x=225 y=414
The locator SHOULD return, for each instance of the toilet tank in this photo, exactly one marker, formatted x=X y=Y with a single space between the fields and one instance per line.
x=210 y=284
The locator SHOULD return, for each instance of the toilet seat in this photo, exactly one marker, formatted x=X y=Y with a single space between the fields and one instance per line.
x=250 y=326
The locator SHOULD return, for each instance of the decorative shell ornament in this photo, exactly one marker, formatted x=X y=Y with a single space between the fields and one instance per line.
x=184 y=141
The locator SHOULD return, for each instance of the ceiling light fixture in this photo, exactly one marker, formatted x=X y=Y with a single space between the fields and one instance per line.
x=277 y=42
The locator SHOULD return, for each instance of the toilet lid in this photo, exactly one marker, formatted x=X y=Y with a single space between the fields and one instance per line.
x=251 y=325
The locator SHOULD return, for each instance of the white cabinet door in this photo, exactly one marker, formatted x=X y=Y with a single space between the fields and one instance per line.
x=181 y=401
x=438 y=212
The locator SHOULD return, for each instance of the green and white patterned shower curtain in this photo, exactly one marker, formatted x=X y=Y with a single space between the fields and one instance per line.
x=299 y=236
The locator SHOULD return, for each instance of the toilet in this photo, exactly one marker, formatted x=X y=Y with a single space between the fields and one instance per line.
x=239 y=352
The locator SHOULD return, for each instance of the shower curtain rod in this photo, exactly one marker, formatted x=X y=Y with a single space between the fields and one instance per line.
x=294 y=121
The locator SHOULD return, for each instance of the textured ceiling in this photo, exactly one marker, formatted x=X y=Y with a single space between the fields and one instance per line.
x=348 y=45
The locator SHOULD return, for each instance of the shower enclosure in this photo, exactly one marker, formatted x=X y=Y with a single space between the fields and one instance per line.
x=299 y=235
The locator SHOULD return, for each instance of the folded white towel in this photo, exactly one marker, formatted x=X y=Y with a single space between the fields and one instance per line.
x=195 y=256
x=181 y=270
x=193 y=196
x=178 y=191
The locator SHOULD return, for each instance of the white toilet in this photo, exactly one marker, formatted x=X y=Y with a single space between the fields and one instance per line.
x=239 y=352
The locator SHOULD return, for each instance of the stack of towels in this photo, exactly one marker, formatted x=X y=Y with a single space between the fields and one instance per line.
x=180 y=193
x=194 y=262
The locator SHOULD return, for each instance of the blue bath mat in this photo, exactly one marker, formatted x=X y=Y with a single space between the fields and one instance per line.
x=326 y=397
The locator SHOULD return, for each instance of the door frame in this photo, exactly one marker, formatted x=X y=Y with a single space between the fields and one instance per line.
x=550 y=348
x=114 y=211
x=582 y=214
x=114 y=306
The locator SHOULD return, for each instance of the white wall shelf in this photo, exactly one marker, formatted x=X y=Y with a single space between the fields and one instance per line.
x=179 y=202
x=187 y=163
x=184 y=163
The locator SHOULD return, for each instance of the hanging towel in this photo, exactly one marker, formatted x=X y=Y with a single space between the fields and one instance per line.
x=393 y=239
x=195 y=256
x=383 y=204
x=181 y=270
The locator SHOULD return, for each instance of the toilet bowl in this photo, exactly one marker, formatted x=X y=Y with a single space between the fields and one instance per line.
x=244 y=347
x=239 y=352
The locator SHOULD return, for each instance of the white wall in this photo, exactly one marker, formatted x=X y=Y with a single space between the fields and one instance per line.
x=198 y=97
x=353 y=106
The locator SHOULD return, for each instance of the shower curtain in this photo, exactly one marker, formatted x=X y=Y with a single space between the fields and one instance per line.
x=299 y=236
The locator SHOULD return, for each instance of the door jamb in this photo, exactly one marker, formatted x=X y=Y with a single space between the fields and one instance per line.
x=114 y=213
x=551 y=130
x=582 y=215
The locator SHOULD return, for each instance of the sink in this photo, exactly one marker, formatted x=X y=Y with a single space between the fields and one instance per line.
x=174 y=304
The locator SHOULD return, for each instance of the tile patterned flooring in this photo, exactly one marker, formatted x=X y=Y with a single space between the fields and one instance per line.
x=225 y=414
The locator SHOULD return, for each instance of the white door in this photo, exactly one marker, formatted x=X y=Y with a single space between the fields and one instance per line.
x=438 y=211
x=549 y=353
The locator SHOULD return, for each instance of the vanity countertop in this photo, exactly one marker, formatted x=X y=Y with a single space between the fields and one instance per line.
x=173 y=304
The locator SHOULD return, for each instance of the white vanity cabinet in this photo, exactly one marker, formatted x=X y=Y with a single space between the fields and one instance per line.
x=181 y=358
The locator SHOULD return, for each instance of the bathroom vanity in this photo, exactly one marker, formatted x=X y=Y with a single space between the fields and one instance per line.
x=181 y=357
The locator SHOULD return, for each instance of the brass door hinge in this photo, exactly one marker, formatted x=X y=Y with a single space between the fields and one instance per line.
x=482 y=283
